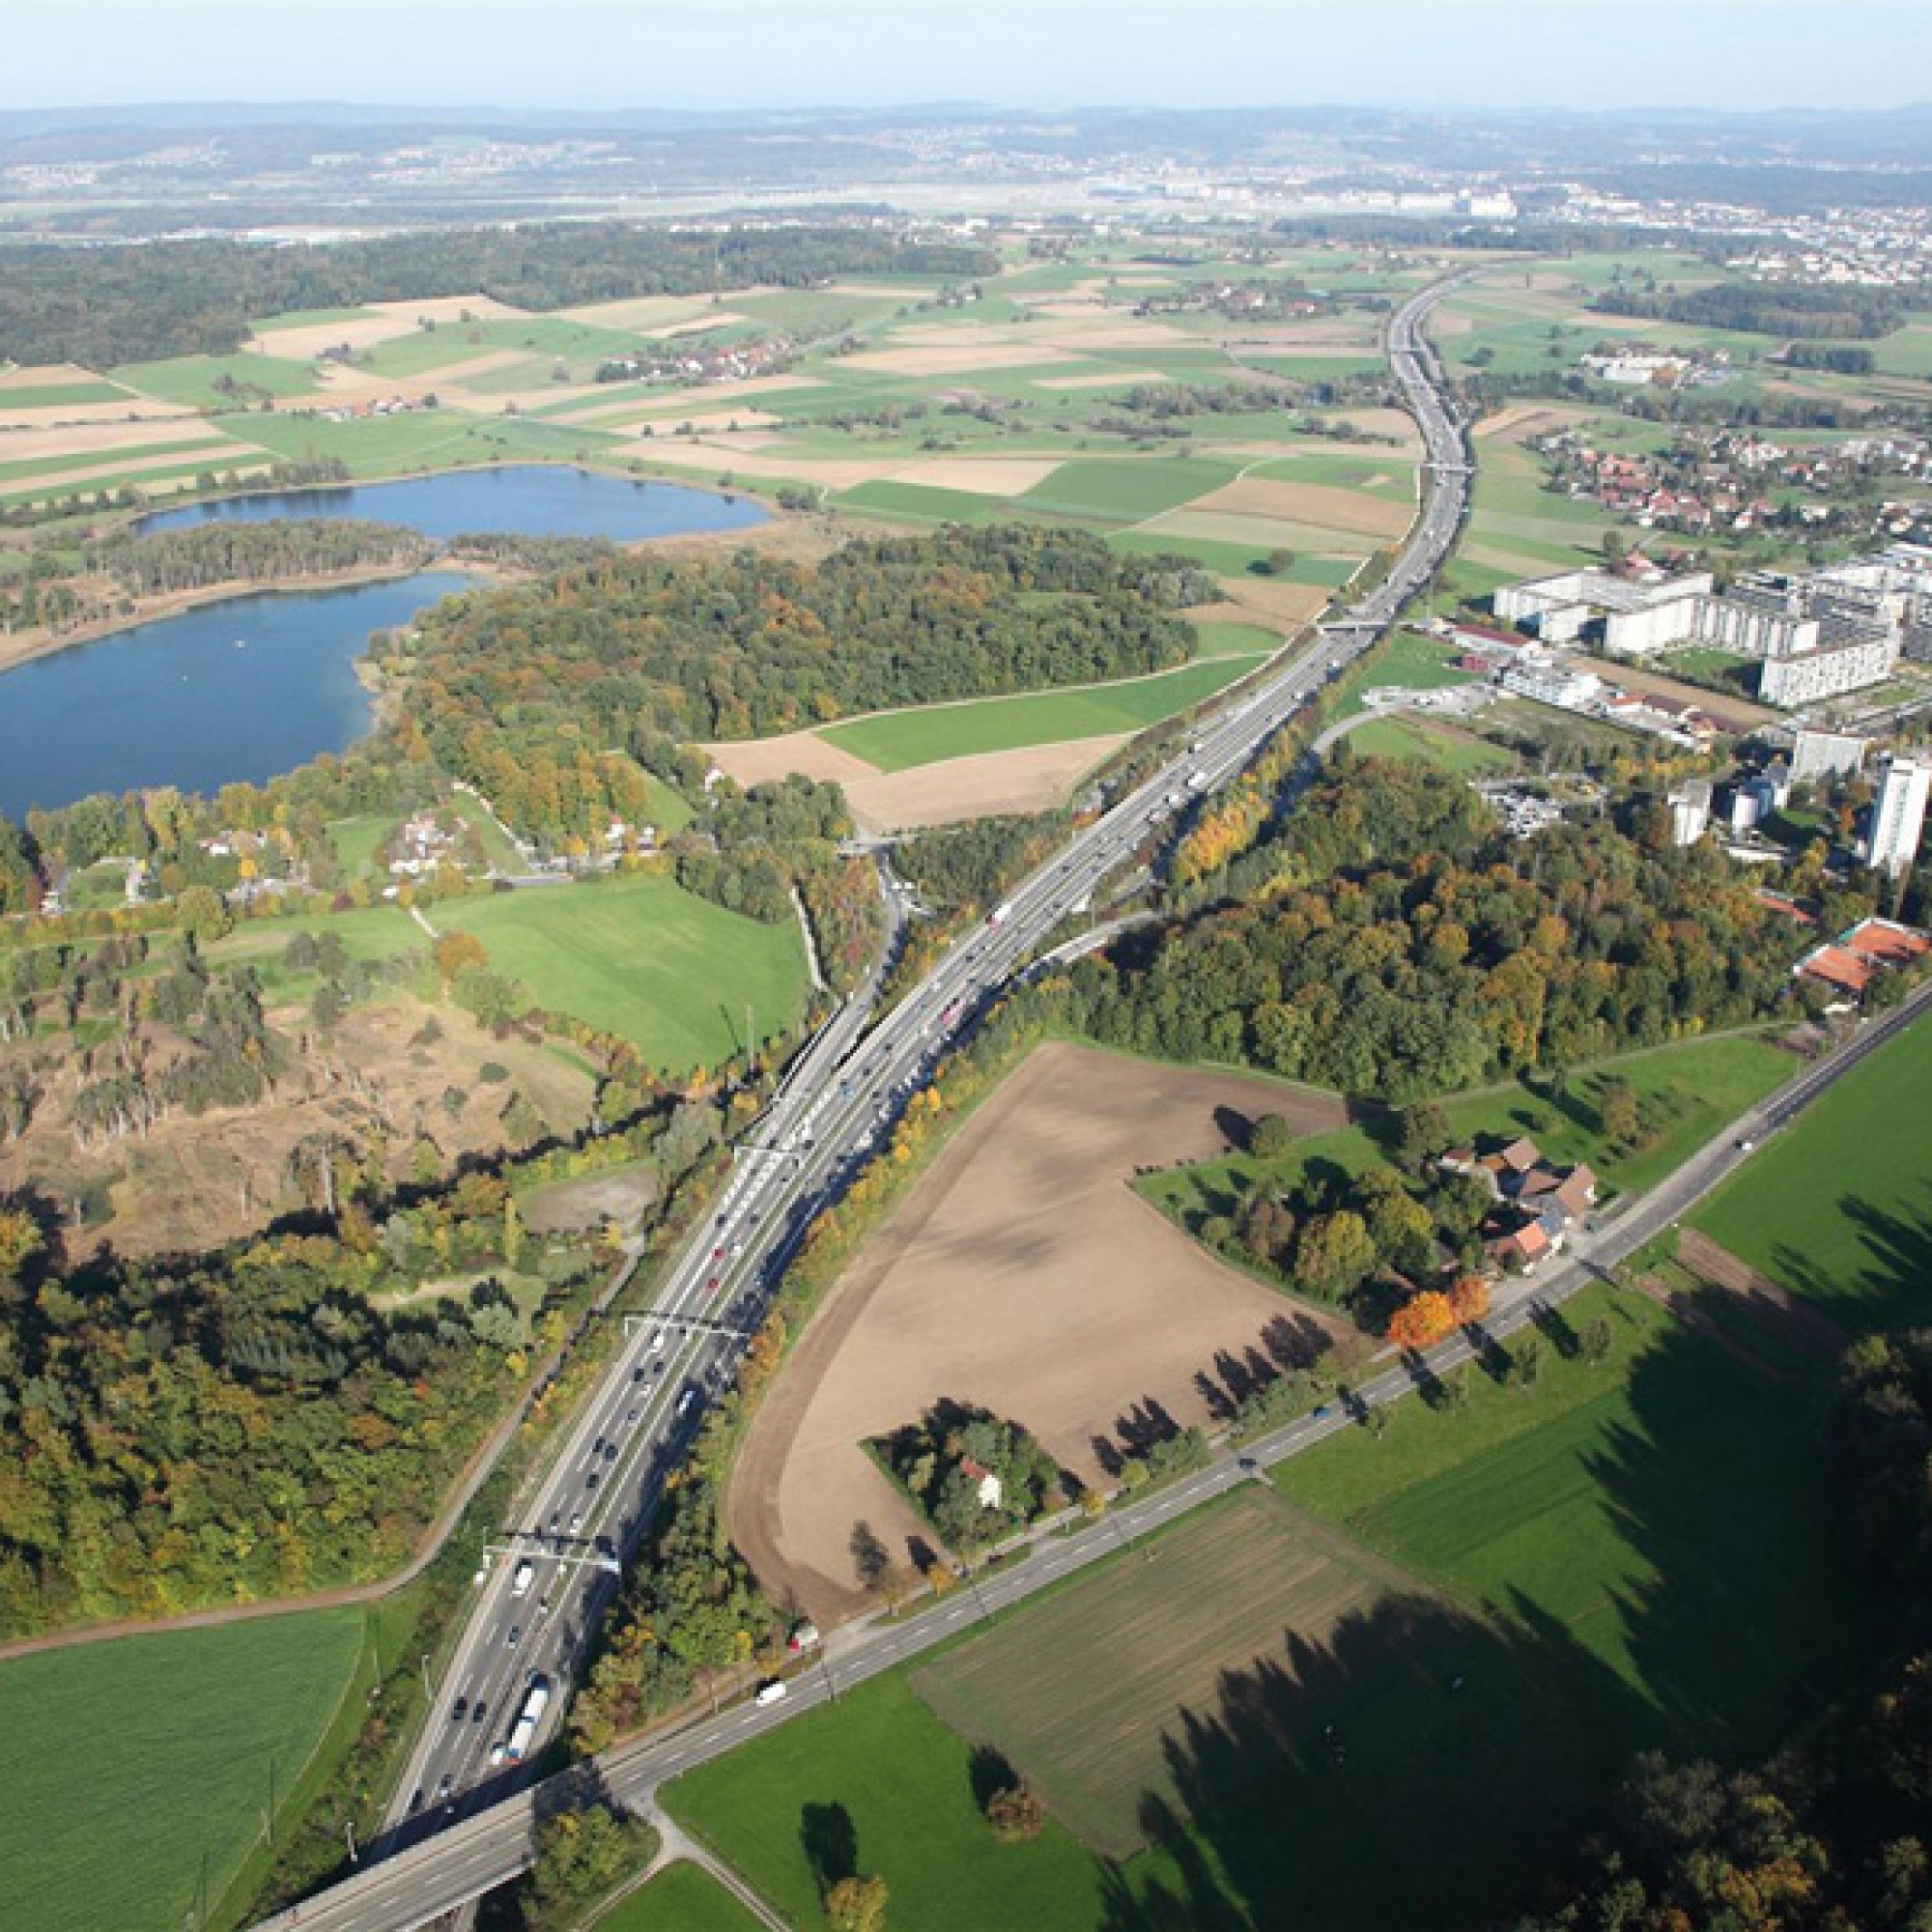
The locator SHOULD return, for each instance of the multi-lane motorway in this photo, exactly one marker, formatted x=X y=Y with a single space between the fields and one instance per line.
x=538 y=1601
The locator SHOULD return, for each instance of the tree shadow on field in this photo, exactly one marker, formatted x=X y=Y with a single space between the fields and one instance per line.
x=990 y=1771
x=1141 y=1427
x=1894 y=1288
x=830 y=1841
x=870 y=1558
x=1423 y=1762
x=1295 y=1342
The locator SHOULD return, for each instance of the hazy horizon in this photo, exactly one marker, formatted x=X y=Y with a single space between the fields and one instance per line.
x=592 y=55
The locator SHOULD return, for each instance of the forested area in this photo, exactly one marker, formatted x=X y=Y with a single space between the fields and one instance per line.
x=270 y=553
x=102 y=583
x=519 y=689
x=103 y=306
x=1765 y=308
x=972 y=865
x=288 y=1415
x=236 y=1428
x=1386 y=938
x=762 y=846
x=1834 y=1835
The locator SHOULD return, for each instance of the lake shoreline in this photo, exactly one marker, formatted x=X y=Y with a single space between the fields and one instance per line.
x=25 y=647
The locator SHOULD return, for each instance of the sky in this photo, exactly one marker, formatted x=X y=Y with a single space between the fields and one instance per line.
x=758 y=53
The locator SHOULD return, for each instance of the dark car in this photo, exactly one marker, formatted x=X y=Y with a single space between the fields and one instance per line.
x=459 y=1710
x=479 y=1712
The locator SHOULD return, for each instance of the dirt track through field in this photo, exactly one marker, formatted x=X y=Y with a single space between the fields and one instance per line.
x=1023 y=1273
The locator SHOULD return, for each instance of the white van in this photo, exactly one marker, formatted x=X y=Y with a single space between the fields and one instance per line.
x=519 y=1583
x=773 y=1692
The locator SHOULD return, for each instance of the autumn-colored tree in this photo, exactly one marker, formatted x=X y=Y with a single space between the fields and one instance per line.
x=457 y=950
x=857 y=1904
x=1332 y=1253
x=1619 y=1113
x=1422 y=1320
x=20 y=1241
x=1470 y=1298
x=1016 y=1814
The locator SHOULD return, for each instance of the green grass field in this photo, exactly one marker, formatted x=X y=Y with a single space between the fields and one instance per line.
x=1691 y=1092
x=1661 y=1517
x=879 y=1772
x=1838 y=1207
x=1408 y=660
x=1084 y=1691
x=310 y=318
x=215 y=452
x=1408 y=737
x=355 y=842
x=897 y=740
x=59 y=395
x=191 y=378
x=378 y=446
x=643 y=958
x=683 y=1897
x=149 y=1755
x=1125 y=489
x=376 y=932
x=1635 y=1551
x=1220 y=640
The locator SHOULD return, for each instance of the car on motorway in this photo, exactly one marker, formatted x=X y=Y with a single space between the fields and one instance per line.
x=479 y=1712
x=575 y=1521
x=630 y=1416
x=416 y=1801
x=590 y=1481
x=459 y=1710
x=772 y=1691
x=515 y=1637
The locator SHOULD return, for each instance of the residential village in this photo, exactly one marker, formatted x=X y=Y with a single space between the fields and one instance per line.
x=1738 y=480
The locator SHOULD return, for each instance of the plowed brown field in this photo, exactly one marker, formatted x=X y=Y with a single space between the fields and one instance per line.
x=1022 y=1273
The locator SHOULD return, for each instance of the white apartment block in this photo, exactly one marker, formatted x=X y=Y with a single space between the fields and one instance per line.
x=1816 y=636
x=1898 y=815
x=1817 y=755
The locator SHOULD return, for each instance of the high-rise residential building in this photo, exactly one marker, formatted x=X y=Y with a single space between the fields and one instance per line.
x=1898 y=813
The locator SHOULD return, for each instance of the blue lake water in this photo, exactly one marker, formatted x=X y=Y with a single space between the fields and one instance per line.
x=244 y=689
x=530 y=500
x=253 y=686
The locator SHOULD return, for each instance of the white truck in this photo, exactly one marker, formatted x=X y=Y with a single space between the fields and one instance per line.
x=1001 y=913
x=523 y=1734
